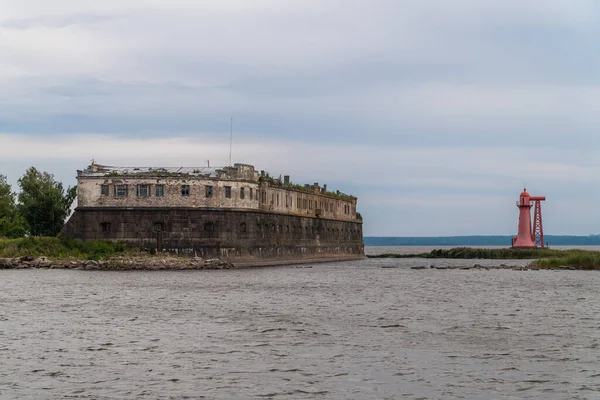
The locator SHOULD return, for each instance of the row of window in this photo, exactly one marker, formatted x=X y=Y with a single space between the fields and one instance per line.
x=145 y=190
x=304 y=203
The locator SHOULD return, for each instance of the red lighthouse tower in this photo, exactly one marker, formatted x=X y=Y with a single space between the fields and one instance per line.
x=526 y=236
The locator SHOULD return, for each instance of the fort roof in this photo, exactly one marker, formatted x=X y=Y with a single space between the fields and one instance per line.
x=97 y=170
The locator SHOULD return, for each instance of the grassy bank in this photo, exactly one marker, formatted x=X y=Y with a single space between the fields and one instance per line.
x=60 y=248
x=544 y=258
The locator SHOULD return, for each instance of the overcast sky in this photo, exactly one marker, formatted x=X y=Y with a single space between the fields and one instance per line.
x=433 y=113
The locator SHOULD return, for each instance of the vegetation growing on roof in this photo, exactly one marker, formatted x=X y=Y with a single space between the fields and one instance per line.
x=277 y=182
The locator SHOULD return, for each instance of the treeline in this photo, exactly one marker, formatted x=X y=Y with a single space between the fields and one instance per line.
x=39 y=209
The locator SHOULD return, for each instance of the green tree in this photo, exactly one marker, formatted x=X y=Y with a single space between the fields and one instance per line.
x=44 y=203
x=7 y=198
x=12 y=224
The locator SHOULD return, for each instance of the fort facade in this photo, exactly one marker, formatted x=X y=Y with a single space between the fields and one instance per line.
x=232 y=213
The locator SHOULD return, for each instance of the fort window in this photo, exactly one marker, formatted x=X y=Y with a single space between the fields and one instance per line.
x=160 y=190
x=243 y=228
x=104 y=190
x=264 y=197
x=120 y=190
x=105 y=226
x=305 y=204
x=251 y=193
x=208 y=191
x=228 y=192
x=272 y=198
x=159 y=227
x=277 y=199
x=185 y=190
x=242 y=193
x=209 y=227
x=143 y=190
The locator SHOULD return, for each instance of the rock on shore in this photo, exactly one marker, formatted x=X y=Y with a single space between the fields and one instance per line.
x=160 y=262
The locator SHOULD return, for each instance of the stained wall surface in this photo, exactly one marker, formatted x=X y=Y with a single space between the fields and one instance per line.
x=234 y=235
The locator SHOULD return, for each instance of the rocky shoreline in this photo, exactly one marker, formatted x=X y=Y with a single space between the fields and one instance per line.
x=116 y=263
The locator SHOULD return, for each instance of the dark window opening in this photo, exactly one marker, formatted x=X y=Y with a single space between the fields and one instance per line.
x=160 y=190
x=208 y=191
x=159 y=227
x=120 y=190
x=105 y=226
x=143 y=190
x=242 y=193
x=185 y=190
x=105 y=190
x=228 y=192
x=243 y=228
x=209 y=227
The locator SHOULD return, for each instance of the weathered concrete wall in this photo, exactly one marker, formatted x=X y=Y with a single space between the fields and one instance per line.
x=233 y=235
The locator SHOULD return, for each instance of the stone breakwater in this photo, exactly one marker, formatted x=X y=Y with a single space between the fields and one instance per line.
x=162 y=262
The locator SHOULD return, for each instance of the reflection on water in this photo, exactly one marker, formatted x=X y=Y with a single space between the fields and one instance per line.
x=349 y=330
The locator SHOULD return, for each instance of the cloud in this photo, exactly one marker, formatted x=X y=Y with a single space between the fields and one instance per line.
x=403 y=103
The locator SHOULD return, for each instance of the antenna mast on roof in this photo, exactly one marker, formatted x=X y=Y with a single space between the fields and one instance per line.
x=230 y=139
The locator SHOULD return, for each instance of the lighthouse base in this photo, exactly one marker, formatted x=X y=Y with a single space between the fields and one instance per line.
x=522 y=244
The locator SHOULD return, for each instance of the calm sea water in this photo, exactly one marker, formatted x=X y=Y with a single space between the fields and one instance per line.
x=353 y=330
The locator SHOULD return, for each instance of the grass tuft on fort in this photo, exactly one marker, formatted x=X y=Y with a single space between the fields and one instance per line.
x=60 y=248
x=542 y=258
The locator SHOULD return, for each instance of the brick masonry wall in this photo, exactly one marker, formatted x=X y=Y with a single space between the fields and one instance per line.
x=89 y=193
x=284 y=200
x=234 y=235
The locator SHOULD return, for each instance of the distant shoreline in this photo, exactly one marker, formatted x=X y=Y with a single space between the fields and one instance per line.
x=476 y=240
x=542 y=258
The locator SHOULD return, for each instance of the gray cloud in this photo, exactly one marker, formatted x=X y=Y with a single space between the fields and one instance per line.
x=442 y=100
x=59 y=21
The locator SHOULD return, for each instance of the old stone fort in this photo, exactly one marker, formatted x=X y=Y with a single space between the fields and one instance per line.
x=232 y=213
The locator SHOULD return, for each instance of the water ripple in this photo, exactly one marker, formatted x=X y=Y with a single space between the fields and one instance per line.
x=368 y=329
